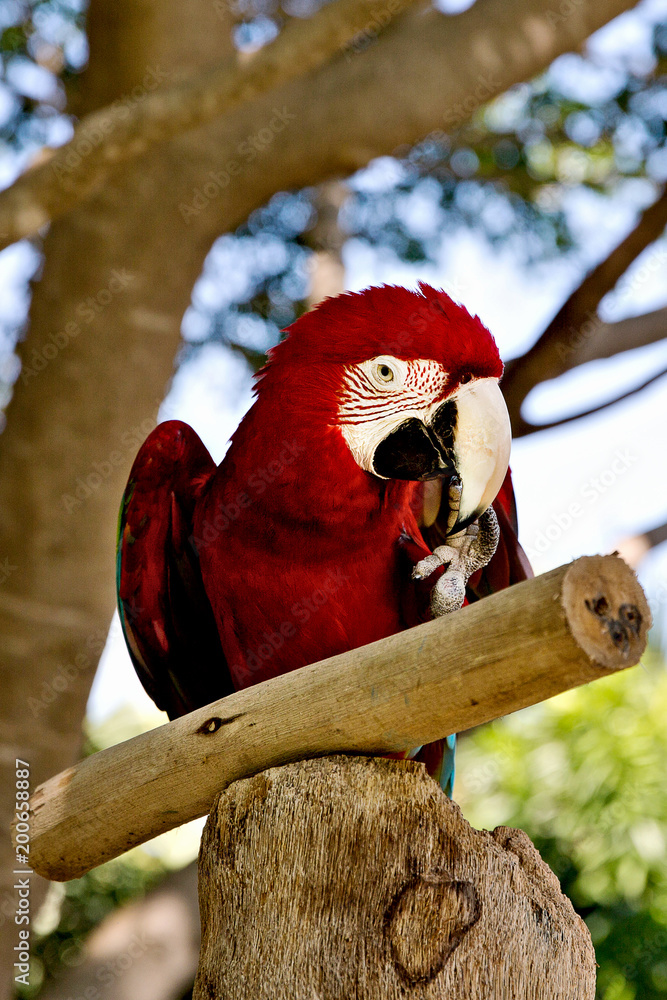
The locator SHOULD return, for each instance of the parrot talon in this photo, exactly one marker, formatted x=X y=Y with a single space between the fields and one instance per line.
x=465 y=553
x=427 y=566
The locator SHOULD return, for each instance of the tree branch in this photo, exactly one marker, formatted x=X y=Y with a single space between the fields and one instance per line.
x=121 y=132
x=657 y=535
x=548 y=634
x=551 y=355
x=527 y=428
x=474 y=56
x=635 y=548
x=598 y=340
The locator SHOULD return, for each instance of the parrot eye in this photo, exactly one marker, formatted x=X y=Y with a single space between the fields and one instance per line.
x=385 y=373
x=466 y=377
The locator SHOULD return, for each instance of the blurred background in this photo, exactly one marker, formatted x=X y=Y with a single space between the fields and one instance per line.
x=508 y=203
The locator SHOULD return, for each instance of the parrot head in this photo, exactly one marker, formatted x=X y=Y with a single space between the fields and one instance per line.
x=410 y=380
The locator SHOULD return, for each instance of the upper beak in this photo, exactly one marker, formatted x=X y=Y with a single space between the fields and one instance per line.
x=480 y=445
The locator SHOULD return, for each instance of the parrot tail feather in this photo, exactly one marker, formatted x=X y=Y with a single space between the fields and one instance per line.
x=439 y=758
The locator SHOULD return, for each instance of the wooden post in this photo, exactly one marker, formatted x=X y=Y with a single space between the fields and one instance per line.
x=508 y=651
x=345 y=878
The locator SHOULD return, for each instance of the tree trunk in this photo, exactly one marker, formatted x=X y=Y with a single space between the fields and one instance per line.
x=357 y=877
x=104 y=328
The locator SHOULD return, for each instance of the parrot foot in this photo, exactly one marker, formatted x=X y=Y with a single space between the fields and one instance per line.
x=463 y=555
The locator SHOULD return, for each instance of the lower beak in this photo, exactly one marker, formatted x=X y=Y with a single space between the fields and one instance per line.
x=412 y=451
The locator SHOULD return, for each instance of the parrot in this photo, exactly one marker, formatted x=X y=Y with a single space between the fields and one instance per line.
x=366 y=490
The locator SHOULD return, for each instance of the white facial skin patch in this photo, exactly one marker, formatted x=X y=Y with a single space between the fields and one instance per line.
x=381 y=394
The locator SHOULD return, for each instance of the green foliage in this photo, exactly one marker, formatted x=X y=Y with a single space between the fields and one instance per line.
x=584 y=776
x=42 y=49
x=84 y=903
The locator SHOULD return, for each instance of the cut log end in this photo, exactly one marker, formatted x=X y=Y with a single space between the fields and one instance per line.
x=358 y=877
x=606 y=610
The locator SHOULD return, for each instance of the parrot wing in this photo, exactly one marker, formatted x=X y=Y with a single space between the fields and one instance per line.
x=164 y=611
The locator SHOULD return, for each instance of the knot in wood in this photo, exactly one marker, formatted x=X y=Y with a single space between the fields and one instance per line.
x=426 y=922
x=215 y=723
x=620 y=629
x=210 y=726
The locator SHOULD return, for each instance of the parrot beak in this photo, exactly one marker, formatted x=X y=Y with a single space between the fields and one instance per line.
x=478 y=439
x=467 y=437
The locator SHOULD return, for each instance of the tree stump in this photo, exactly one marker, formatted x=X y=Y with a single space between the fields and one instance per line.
x=356 y=877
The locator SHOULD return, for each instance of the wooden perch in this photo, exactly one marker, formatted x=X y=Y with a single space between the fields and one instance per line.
x=358 y=877
x=513 y=649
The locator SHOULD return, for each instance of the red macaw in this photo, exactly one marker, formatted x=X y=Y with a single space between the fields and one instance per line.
x=366 y=488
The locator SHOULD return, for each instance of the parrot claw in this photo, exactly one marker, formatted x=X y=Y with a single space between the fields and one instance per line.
x=463 y=555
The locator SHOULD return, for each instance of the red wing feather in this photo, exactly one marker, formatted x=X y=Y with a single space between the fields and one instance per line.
x=165 y=613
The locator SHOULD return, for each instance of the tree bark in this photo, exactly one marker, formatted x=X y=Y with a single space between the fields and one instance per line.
x=74 y=426
x=358 y=877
